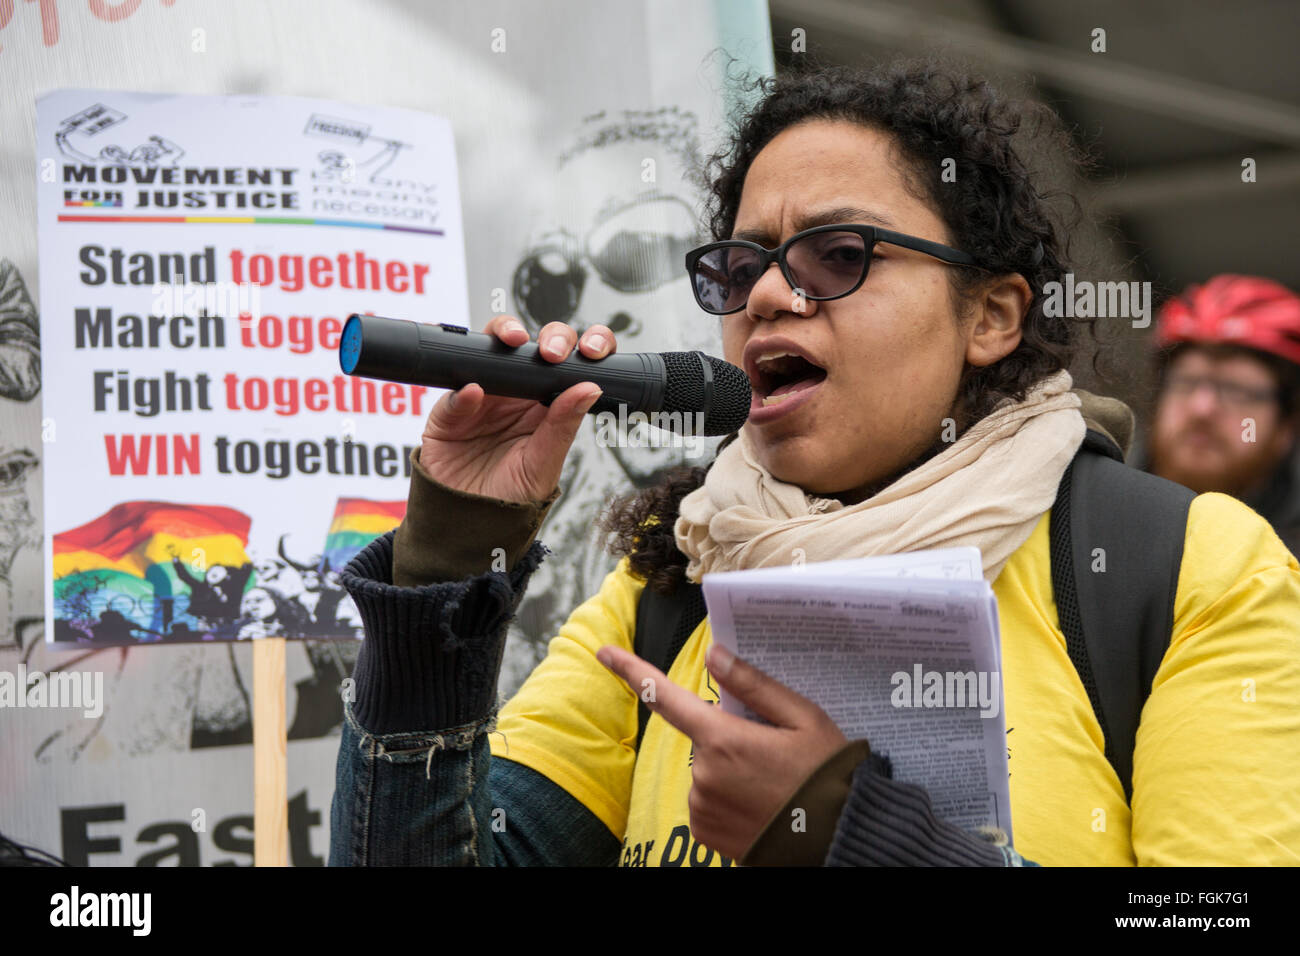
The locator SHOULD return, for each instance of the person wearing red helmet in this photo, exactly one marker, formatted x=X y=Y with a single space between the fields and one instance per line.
x=1227 y=414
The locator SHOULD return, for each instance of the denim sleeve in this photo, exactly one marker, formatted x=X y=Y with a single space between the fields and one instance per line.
x=441 y=799
x=415 y=782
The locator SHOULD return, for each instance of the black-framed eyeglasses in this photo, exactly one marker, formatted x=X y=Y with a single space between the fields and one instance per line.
x=1233 y=396
x=822 y=263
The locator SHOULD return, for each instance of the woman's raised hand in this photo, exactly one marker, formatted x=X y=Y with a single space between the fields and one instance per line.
x=512 y=449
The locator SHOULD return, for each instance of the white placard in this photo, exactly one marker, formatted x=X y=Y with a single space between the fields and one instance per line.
x=209 y=467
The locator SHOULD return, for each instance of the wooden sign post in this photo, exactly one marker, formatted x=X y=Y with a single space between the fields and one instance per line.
x=270 y=772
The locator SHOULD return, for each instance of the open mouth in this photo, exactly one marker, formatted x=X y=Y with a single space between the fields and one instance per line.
x=781 y=375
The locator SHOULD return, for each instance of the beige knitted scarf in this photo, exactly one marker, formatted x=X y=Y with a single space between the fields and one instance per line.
x=988 y=490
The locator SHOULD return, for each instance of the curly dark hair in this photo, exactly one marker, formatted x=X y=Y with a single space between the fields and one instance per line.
x=994 y=208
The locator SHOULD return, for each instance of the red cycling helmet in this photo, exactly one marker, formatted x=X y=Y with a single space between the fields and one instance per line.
x=1234 y=310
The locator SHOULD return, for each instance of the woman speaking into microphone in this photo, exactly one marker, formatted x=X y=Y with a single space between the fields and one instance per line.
x=880 y=255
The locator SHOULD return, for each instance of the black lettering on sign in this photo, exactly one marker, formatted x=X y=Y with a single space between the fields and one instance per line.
x=224 y=837
x=78 y=843
x=185 y=848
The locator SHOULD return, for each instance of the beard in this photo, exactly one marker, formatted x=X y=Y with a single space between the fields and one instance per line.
x=1227 y=465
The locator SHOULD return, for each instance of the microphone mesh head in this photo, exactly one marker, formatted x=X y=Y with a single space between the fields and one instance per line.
x=684 y=391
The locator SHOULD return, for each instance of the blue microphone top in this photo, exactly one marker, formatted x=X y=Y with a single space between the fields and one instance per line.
x=350 y=345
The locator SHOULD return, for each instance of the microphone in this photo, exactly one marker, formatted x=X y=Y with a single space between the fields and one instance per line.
x=680 y=384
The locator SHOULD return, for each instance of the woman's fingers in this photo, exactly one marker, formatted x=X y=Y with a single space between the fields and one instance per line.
x=689 y=713
x=764 y=695
x=512 y=448
x=549 y=445
x=508 y=329
x=453 y=410
x=556 y=341
x=597 y=342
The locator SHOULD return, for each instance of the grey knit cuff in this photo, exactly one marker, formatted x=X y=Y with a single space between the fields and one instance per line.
x=888 y=823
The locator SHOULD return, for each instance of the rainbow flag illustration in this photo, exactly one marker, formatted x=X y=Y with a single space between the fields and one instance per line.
x=115 y=581
x=357 y=522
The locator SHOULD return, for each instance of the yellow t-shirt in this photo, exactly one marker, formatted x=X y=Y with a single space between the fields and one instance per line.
x=1216 y=769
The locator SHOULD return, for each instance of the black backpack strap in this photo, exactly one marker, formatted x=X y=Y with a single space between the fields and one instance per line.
x=1117 y=545
x=664 y=622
